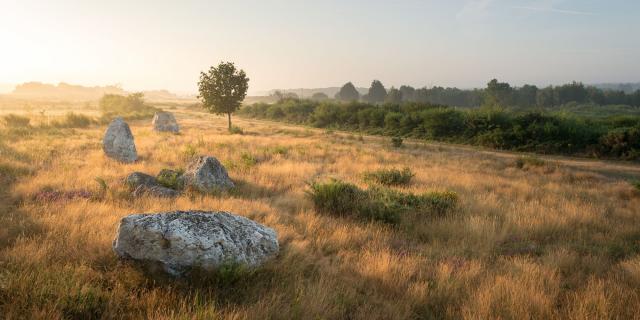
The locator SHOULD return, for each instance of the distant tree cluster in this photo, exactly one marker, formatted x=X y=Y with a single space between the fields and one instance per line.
x=495 y=94
x=502 y=94
x=279 y=95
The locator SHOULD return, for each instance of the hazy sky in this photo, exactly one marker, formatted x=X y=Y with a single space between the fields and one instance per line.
x=291 y=44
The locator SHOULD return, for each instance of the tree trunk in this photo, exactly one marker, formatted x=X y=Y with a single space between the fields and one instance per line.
x=229 y=116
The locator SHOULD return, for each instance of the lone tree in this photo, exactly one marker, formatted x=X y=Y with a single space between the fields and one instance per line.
x=223 y=88
x=377 y=92
x=348 y=93
x=498 y=94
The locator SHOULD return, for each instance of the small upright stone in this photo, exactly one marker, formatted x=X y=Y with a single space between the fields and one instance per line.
x=118 y=142
x=207 y=175
x=165 y=122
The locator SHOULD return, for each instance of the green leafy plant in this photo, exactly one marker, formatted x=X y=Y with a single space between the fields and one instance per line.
x=340 y=198
x=336 y=197
x=248 y=160
x=389 y=177
x=171 y=178
x=435 y=203
x=102 y=184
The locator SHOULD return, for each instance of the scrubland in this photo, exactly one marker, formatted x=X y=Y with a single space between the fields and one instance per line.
x=529 y=238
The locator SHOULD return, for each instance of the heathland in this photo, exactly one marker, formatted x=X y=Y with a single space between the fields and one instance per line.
x=502 y=235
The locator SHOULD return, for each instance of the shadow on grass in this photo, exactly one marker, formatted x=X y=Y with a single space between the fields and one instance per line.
x=248 y=190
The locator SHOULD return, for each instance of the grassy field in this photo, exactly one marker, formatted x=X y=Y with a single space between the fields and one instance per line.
x=530 y=238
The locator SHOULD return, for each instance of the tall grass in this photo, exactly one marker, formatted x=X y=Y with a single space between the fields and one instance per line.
x=389 y=177
x=475 y=236
x=16 y=121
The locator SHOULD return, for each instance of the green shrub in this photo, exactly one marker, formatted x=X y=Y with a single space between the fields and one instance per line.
x=378 y=210
x=378 y=204
x=102 y=184
x=431 y=203
x=73 y=120
x=621 y=142
x=529 y=161
x=235 y=130
x=396 y=142
x=439 y=202
x=248 y=160
x=189 y=151
x=636 y=184
x=336 y=198
x=389 y=177
x=16 y=121
x=131 y=107
x=171 y=178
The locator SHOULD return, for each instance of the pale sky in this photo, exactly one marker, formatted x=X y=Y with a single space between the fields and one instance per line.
x=292 y=44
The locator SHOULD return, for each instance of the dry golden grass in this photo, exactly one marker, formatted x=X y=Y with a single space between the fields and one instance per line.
x=560 y=240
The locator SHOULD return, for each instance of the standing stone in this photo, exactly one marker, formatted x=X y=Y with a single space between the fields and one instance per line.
x=180 y=240
x=118 y=142
x=206 y=174
x=165 y=122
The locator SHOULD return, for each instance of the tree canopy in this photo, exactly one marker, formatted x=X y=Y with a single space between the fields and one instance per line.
x=223 y=88
x=394 y=96
x=348 y=92
x=498 y=93
x=377 y=92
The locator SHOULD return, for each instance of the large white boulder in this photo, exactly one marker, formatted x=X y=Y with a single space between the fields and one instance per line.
x=181 y=240
x=118 y=142
x=165 y=122
x=206 y=174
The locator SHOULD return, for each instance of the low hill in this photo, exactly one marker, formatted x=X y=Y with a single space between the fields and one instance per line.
x=70 y=92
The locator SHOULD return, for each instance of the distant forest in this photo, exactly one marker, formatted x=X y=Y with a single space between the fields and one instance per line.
x=521 y=119
x=496 y=93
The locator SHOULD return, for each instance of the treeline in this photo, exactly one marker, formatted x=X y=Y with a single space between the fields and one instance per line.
x=495 y=94
x=499 y=128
